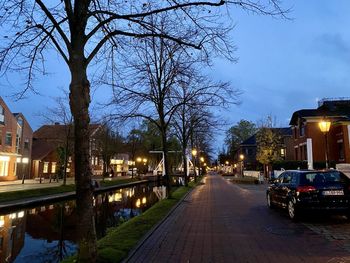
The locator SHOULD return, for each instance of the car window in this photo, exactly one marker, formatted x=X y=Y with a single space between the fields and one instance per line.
x=322 y=178
x=287 y=178
x=280 y=178
x=294 y=179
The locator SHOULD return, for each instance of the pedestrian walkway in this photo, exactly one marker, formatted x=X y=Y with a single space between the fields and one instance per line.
x=8 y=186
x=222 y=222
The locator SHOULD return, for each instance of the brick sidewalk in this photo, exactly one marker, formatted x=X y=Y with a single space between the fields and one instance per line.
x=222 y=222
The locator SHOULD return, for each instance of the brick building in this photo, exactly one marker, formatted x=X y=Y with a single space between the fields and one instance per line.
x=309 y=142
x=49 y=140
x=15 y=144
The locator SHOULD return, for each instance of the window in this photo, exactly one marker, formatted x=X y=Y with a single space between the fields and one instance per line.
x=341 y=151
x=53 y=167
x=19 y=134
x=4 y=165
x=2 y=115
x=294 y=178
x=283 y=153
x=8 y=141
x=287 y=178
x=26 y=143
x=302 y=130
x=18 y=143
x=46 y=168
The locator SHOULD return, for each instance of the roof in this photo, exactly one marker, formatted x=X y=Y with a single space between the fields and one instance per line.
x=41 y=148
x=337 y=110
x=251 y=141
x=287 y=131
x=58 y=131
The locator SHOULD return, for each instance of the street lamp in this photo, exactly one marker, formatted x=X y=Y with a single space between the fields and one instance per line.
x=324 y=127
x=241 y=157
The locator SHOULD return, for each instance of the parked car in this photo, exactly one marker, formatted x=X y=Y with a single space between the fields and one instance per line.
x=305 y=191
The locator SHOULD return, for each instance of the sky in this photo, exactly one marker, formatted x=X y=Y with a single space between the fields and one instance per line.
x=283 y=65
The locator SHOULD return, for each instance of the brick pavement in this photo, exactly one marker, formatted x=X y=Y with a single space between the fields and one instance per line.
x=222 y=222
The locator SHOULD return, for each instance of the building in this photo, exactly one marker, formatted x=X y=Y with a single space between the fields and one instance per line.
x=51 y=142
x=15 y=144
x=248 y=148
x=308 y=140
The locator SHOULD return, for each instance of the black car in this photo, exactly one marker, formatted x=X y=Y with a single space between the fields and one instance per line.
x=305 y=191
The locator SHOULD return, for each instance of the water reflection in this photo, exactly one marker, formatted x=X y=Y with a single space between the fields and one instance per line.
x=48 y=233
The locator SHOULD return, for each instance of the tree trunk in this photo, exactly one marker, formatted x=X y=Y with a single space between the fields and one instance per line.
x=79 y=104
x=184 y=157
x=166 y=163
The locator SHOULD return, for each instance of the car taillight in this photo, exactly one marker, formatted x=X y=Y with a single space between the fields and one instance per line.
x=305 y=189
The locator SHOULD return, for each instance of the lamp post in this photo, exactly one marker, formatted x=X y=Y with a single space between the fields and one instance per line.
x=194 y=154
x=241 y=157
x=324 y=127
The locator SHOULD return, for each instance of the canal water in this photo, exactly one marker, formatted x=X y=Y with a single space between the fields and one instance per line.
x=48 y=233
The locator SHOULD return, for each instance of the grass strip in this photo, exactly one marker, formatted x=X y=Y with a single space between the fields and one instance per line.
x=31 y=193
x=23 y=194
x=115 y=246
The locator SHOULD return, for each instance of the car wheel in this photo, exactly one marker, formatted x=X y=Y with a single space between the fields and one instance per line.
x=269 y=202
x=292 y=211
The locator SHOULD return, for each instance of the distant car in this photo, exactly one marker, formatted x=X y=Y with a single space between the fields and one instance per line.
x=305 y=191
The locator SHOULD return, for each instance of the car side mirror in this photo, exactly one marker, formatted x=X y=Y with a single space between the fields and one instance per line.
x=273 y=181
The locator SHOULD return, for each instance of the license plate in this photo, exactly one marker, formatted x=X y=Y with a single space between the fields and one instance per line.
x=333 y=192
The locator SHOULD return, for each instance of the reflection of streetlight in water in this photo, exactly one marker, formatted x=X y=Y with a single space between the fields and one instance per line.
x=142 y=201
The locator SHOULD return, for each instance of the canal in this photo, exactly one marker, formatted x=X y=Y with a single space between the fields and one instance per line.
x=48 y=233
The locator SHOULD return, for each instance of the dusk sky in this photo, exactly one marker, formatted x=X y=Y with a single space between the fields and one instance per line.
x=283 y=66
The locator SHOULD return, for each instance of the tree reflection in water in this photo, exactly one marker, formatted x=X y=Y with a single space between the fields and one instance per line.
x=47 y=233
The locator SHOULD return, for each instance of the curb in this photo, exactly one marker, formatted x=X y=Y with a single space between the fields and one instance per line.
x=154 y=228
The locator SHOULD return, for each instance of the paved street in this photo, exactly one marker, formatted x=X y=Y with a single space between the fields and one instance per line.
x=223 y=222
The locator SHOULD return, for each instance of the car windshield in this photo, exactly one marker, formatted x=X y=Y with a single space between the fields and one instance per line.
x=317 y=178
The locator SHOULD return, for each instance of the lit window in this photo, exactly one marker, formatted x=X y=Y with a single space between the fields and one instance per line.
x=46 y=168
x=53 y=167
x=20 y=214
x=2 y=221
x=283 y=152
x=4 y=165
x=13 y=216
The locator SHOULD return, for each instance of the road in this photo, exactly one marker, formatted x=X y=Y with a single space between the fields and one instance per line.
x=224 y=222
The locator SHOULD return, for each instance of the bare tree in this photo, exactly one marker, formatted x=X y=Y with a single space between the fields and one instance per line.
x=86 y=31
x=195 y=97
x=59 y=113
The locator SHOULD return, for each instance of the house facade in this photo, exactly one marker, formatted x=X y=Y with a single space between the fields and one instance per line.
x=15 y=144
x=310 y=143
x=50 y=145
x=248 y=148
